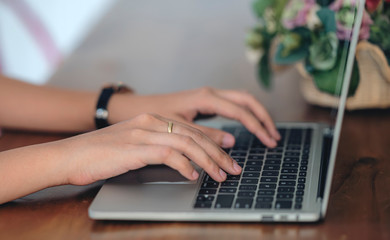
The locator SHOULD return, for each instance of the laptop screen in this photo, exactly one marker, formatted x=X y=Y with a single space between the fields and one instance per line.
x=347 y=79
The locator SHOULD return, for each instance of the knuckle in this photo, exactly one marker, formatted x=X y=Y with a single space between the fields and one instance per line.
x=187 y=141
x=166 y=153
x=205 y=90
x=198 y=134
x=145 y=118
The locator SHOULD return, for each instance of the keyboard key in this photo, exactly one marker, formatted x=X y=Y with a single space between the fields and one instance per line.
x=302 y=174
x=224 y=201
x=243 y=203
x=286 y=183
x=252 y=169
x=255 y=157
x=239 y=159
x=203 y=205
x=248 y=187
x=271 y=168
x=291 y=159
x=267 y=186
x=229 y=184
x=207 y=191
x=270 y=173
x=264 y=199
x=233 y=177
x=264 y=192
x=246 y=194
x=249 y=181
x=284 y=196
x=290 y=165
x=261 y=205
x=227 y=190
x=254 y=163
x=268 y=179
x=251 y=174
x=288 y=176
x=298 y=206
x=205 y=198
x=257 y=151
x=210 y=185
x=292 y=154
x=286 y=189
x=238 y=154
x=299 y=193
x=289 y=170
x=272 y=162
x=283 y=204
x=274 y=156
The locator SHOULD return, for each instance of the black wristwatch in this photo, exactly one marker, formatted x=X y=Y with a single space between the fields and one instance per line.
x=101 y=114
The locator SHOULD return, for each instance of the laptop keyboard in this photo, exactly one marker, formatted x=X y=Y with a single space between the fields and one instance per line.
x=271 y=178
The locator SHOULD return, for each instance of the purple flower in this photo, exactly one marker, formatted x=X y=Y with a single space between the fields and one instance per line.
x=296 y=13
x=345 y=16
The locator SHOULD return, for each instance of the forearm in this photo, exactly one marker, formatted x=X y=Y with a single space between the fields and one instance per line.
x=45 y=108
x=29 y=169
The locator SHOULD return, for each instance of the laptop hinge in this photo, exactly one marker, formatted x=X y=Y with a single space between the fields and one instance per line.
x=326 y=147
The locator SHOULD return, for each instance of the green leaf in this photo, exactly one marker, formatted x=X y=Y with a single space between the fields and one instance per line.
x=328 y=19
x=259 y=7
x=293 y=57
x=300 y=52
x=264 y=73
x=327 y=81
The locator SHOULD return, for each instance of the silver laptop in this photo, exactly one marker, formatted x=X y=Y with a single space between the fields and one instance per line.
x=290 y=183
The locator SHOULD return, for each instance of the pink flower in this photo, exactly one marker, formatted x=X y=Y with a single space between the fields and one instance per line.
x=296 y=13
x=372 y=5
x=345 y=16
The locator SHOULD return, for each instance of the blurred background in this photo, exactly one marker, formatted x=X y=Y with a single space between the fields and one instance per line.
x=37 y=35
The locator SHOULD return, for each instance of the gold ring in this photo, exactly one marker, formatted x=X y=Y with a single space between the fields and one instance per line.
x=170 y=125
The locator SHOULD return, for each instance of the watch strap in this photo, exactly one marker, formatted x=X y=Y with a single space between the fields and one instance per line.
x=101 y=114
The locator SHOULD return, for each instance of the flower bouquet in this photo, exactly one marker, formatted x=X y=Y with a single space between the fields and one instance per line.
x=311 y=34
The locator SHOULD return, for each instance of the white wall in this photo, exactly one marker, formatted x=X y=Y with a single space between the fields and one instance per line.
x=67 y=21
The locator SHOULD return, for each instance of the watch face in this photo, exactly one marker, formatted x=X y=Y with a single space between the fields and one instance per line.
x=101 y=113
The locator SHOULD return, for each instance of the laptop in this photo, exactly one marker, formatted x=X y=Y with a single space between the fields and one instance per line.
x=290 y=183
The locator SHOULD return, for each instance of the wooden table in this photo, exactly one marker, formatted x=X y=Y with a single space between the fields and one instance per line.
x=359 y=206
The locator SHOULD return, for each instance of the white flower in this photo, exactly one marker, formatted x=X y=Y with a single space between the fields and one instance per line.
x=254 y=55
x=313 y=21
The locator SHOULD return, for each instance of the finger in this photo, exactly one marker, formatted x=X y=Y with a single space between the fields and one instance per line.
x=234 y=111
x=245 y=99
x=158 y=154
x=222 y=138
x=183 y=144
x=160 y=124
x=215 y=152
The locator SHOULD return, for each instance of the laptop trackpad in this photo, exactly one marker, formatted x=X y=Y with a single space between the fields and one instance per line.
x=152 y=174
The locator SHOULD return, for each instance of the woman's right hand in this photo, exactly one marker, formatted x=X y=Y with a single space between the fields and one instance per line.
x=141 y=141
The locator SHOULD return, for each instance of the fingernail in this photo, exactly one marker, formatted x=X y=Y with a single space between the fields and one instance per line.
x=228 y=141
x=278 y=136
x=222 y=173
x=236 y=167
x=195 y=175
x=273 y=142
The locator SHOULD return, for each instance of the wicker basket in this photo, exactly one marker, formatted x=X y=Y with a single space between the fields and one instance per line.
x=374 y=86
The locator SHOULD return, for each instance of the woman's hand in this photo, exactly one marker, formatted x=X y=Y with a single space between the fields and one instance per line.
x=138 y=142
x=185 y=106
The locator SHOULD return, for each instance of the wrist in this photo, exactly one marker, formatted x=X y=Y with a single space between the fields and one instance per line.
x=102 y=113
